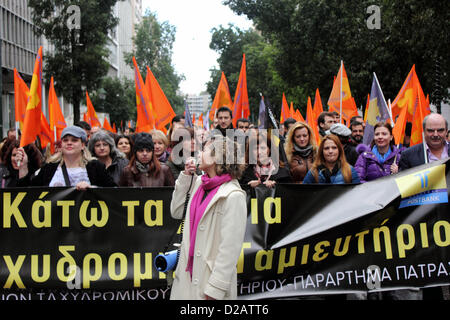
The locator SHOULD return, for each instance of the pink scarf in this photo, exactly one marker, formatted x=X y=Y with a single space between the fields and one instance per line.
x=198 y=207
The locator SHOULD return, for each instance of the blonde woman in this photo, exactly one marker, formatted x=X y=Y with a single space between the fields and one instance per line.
x=214 y=225
x=161 y=144
x=72 y=166
x=301 y=150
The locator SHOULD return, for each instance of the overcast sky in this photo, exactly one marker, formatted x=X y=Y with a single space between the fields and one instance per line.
x=194 y=20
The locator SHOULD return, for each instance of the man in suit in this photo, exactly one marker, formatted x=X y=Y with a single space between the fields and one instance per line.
x=435 y=128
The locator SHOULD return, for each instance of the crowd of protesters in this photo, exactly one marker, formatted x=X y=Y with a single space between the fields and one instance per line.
x=86 y=157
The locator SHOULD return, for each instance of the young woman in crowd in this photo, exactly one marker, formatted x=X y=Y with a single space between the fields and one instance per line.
x=73 y=166
x=144 y=169
x=124 y=144
x=161 y=144
x=9 y=171
x=330 y=165
x=183 y=148
x=102 y=146
x=214 y=225
x=263 y=167
x=301 y=150
x=381 y=158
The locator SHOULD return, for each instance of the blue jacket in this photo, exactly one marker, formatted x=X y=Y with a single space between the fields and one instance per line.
x=337 y=178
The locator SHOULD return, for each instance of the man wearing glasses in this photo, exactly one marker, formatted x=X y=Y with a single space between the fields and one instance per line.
x=435 y=128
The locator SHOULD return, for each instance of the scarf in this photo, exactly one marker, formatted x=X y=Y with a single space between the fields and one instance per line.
x=380 y=157
x=327 y=173
x=200 y=201
x=264 y=171
x=303 y=152
x=142 y=167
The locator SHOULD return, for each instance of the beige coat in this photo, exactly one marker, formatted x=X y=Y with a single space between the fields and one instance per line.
x=218 y=243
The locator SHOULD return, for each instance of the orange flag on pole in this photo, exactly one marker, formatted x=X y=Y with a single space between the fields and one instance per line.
x=145 y=117
x=222 y=97
x=419 y=114
x=241 y=107
x=318 y=107
x=57 y=121
x=399 y=128
x=341 y=96
x=161 y=106
x=285 y=111
x=407 y=96
x=21 y=93
x=312 y=122
x=298 y=116
x=91 y=115
x=32 y=120
x=291 y=110
x=107 y=125
x=45 y=134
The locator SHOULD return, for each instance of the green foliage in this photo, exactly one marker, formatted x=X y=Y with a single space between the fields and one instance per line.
x=154 y=42
x=116 y=97
x=313 y=36
x=78 y=61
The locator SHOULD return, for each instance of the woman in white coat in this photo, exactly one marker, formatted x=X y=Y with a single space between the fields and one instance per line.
x=214 y=225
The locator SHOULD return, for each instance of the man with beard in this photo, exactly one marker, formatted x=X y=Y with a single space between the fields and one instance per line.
x=357 y=129
x=435 y=128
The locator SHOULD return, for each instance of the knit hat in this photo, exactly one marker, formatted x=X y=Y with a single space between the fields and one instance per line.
x=143 y=140
x=340 y=129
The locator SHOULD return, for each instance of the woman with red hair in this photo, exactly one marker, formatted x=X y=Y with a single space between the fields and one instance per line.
x=330 y=165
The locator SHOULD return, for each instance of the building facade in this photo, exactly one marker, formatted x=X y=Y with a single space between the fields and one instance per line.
x=198 y=103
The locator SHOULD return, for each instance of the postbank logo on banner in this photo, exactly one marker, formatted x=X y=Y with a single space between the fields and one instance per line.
x=427 y=186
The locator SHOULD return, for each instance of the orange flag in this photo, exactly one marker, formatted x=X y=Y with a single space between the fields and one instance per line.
x=114 y=127
x=107 y=125
x=341 y=92
x=285 y=111
x=21 y=93
x=45 y=134
x=419 y=114
x=241 y=107
x=161 y=106
x=366 y=111
x=57 y=121
x=222 y=97
x=407 y=96
x=312 y=122
x=318 y=108
x=32 y=121
x=298 y=116
x=399 y=128
x=91 y=115
x=145 y=116
x=291 y=110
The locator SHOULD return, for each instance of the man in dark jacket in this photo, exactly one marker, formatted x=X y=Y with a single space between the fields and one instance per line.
x=435 y=128
x=224 y=117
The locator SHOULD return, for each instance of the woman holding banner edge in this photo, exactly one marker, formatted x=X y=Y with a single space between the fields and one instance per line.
x=215 y=224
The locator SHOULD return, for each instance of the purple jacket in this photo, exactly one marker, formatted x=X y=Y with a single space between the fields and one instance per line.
x=368 y=166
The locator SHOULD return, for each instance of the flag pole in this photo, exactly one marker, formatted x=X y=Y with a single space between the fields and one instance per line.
x=340 y=95
x=381 y=90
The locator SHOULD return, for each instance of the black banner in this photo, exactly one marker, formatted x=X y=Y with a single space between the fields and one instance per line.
x=301 y=239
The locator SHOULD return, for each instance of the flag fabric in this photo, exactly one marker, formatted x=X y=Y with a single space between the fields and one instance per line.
x=187 y=116
x=312 y=122
x=262 y=114
x=91 y=115
x=407 y=96
x=161 y=105
x=285 y=110
x=341 y=95
x=21 y=93
x=298 y=116
x=57 y=121
x=378 y=110
x=366 y=110
x=32 y=120
x=241 y=107
x=291 y=110
x=145 y=116
x=114 y=127
x=399 y=128
x=107 y=125
x=222 y=97
x=420 y=112
x=45 y=134
x=318 y=107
